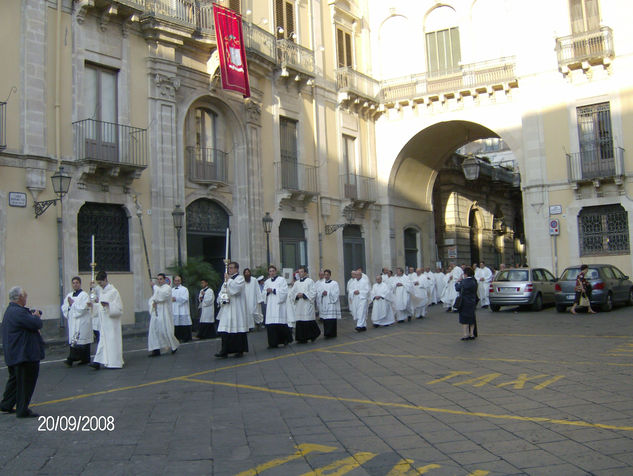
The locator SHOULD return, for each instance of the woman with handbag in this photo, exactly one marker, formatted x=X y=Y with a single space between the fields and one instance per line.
x=583 y=291
x=467 y=289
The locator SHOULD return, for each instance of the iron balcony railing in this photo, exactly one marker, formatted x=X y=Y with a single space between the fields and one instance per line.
x=207 y=165
x=108 y=142
x=358 y=187
x=348 y=79
x=196 y=14
x=3 y=125
x=259 y=41
x=596 y=163
x=586 y=46
x=469 y=76
x=296 y=177
x=297 y=57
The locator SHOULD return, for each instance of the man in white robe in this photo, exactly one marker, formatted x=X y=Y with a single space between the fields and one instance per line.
x=455 y=274
x=318 y=288
x=301 y=300
x=483 y=275
x=430 y=286
x=401 y=292
x=276 y=292
x=330 y=306
x=206 y=300
x=233 y=316
x=359 y=300
x=254 y=300
x=76 y=309
x=439 y=280
x=109 y=308
x=381 y=298
x=180 y=310
x=161 y=323
x=419 y=294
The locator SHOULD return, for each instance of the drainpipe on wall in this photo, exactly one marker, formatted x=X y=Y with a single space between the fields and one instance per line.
x=58 y=155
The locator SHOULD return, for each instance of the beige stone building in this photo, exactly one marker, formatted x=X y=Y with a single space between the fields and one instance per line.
x=355 y=107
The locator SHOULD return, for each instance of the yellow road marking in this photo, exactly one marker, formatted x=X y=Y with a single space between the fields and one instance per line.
x=519 y=383
x=479 y=381
x=198 y=374
x=449 y=376
x=482 y=359
x=342 y=466
x=479 y=472
x=542 y=385
x=554 y=421
x=302 y=450
x=493 y=334
x=404 y=467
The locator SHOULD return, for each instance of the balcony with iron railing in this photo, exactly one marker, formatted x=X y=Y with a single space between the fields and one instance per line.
x=259 y=42
x=605 y=162
x=470 y=77
x=290 y=55
x=207 y=165
x=358 y=188
x=107 y=145
x=195 y=16
x=356 y=85
x=3 y=125
x=300 y=180
x=587 y=48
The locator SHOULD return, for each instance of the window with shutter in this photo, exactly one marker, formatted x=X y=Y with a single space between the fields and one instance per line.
x=344 y=48
x=443 y=52
x=284 y=19
x=584 y=15
x=235 y=5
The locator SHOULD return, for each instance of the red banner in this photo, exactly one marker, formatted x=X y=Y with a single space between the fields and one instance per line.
x=228 y=32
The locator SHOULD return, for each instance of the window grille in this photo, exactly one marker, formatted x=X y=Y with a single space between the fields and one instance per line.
x=603 y=230
x=110 y=226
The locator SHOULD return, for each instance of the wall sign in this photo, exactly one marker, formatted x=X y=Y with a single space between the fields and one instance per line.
x=555 y=210
x=17 y=199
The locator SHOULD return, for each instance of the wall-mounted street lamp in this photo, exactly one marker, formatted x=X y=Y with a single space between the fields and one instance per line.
x=178 y=215
x=267 y=221
x=349 y=213
x=471 y=168
x=61 y=185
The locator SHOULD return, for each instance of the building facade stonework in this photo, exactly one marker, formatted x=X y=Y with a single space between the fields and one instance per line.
x=344 y=141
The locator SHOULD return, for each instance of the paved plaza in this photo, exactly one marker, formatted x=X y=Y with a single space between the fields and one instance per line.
x=536 y=393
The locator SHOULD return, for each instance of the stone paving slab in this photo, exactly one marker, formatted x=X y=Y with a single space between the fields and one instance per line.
x=536 y=393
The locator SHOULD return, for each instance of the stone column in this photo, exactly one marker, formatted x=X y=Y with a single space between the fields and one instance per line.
x=257 y=245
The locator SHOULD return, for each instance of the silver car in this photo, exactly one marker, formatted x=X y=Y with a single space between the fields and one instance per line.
x=532 y=287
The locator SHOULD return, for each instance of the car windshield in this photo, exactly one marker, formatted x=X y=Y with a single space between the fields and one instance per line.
x=513 y=275
x=570 y=274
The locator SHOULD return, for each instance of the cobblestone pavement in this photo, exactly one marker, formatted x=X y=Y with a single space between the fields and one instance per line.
x=536 y=393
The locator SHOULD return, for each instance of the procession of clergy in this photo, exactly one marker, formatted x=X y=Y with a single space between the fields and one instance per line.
x=288 y=306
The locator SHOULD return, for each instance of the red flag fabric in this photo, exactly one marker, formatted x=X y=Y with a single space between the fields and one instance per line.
x=228 y=32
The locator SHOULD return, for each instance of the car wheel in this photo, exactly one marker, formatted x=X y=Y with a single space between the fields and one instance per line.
x=561 y=307
x=495 y=307
x=537 y=305
x=608 y=304
x=629 y=301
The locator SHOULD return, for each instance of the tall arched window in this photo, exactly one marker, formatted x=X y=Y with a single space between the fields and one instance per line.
x=110 y=226
x=443 y=52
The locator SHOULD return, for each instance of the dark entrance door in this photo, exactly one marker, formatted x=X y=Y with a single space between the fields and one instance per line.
x=207 y=222
x=353 y=254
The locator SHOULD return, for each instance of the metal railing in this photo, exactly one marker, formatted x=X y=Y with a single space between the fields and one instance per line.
x=585 y=46
x=108 y=142
x=3 y=125
x=260 y=41
x=296 y=177
x=358 y=187
x=472 y=75
x=196 y=14
x=295 y=56
x=207 y=165
x=601 y=162
x=348 y=79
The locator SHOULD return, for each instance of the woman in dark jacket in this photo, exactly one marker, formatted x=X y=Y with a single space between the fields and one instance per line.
x=467 y=288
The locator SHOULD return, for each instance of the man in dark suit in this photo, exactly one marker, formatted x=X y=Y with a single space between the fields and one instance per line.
x=23 y=349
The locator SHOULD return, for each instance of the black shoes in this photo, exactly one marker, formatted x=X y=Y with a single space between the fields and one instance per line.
x=7 y=410
x=95 y=365
x=173 y=351
x=68 y=363
x=155 y=353
x=30 y=414
x=239 y=354
x=221 y=355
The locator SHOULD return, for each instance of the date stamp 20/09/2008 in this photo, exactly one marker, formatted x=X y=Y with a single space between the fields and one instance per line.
x=75 y=423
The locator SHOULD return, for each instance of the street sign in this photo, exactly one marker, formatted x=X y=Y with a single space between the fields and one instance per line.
x=554 y=227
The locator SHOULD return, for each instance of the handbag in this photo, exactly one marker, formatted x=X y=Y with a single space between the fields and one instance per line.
x=584 y=301
x=458 y=302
